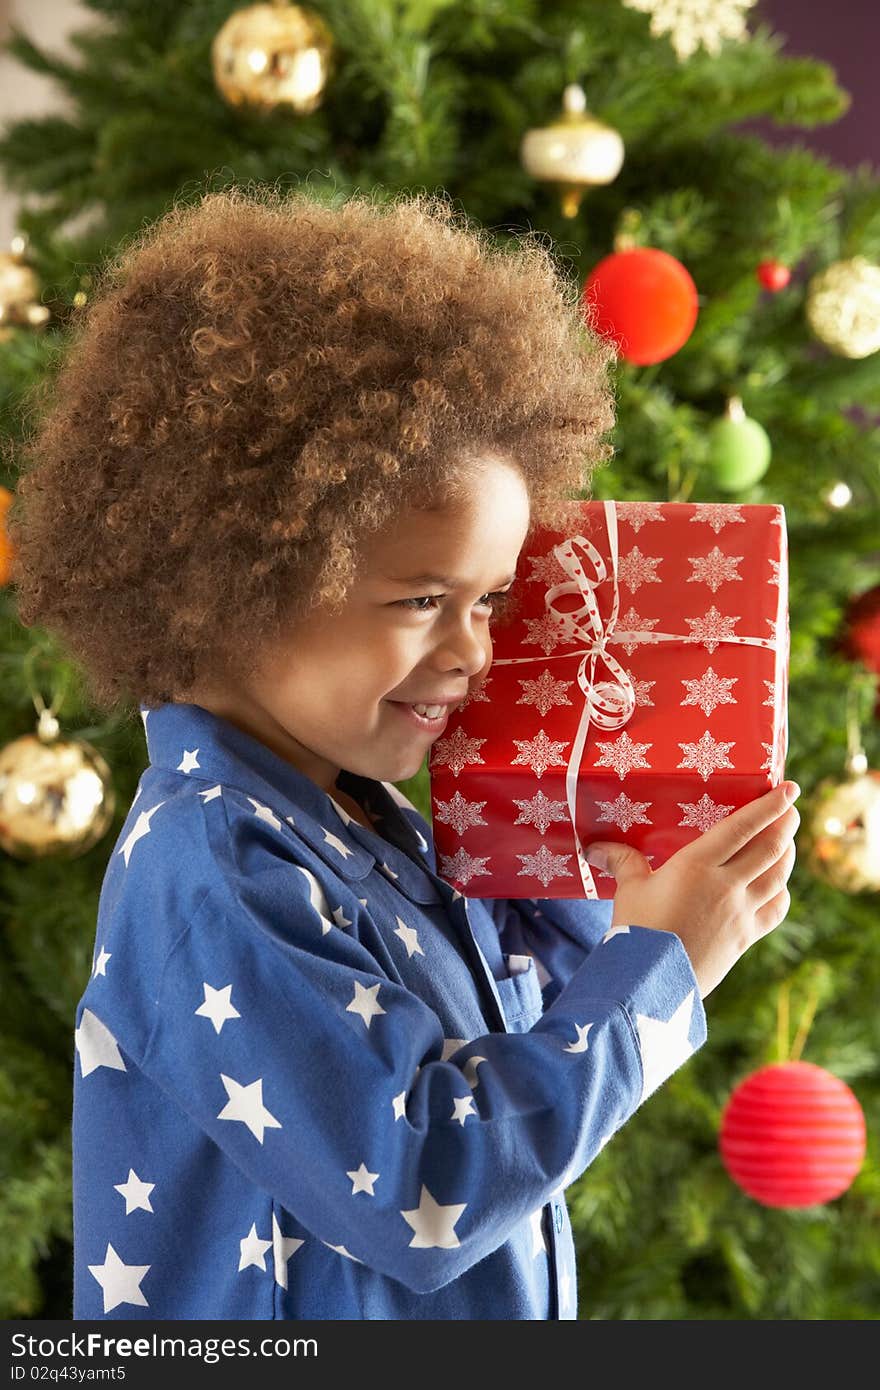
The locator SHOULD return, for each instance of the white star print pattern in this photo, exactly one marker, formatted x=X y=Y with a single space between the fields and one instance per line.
x=365 y=1002
x=265 y=813
x=409 y=937
x=253 y=1250
x=96 y=1045
x=318 y=900
x=581 y=1045
x=135 y=1192
x=299 y=1076
x=120 y=1282
x=339 y=845
x=433 y=1224
x=217 y=1005
x=282 y=1249
x=246 y=1104
x=664 y=1045
x=141 y=828
x=362 y=1180
x=341 y=1250
x=463 y=1106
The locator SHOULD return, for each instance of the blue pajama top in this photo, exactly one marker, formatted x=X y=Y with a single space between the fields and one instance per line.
x=313 y=1080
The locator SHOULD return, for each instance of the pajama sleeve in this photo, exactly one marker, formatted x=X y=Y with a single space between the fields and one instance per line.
x=327 y=1086
x=558 y=932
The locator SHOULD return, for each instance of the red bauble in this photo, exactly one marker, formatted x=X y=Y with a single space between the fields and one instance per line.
x=773 y=275
x=860 y=640
x=644 y=300
x=792 y=1135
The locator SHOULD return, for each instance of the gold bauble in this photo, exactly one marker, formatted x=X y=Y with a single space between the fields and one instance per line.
x=56 y=795
x=19 y=292
x=576 y=152
x=273 y=55
x=843 y=833
x=843 y=307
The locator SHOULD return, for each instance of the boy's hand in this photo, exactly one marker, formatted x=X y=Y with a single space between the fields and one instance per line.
x=721 y=892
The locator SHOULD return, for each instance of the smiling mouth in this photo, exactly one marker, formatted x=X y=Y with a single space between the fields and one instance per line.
x=421 y=720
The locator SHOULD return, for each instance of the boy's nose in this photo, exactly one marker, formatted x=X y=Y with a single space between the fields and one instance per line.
x=465 y=651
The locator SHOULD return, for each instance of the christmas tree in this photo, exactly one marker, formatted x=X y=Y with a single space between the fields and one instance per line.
x=611 y=125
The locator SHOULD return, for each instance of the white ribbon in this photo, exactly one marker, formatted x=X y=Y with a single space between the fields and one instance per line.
x=608 y=704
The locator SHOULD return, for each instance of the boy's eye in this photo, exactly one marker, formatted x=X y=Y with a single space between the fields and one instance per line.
x=496 y=600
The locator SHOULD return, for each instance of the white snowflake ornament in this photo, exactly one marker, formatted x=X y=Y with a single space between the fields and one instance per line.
x=691 y=24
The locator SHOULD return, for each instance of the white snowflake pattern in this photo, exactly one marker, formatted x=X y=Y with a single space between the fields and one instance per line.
x=771 y=692
x=718 y=514
x=624 y=812
x=545 y=692
x=715 y=569
x=546 y=570
x=460 y=814
x=476 y=696
x=711 y=628
x=641 y=690
x=703 y=814
x=706 y=756
x=767 y=764
x=456 y=752
x=710 y=690
x=462 y=867
x=623 y=755
x=544 y=866
x=777 y=566
x=636 y=514
x=540 y=752
x=544 y=632
x=635 y=569
x=631 y=622
x=541 y=812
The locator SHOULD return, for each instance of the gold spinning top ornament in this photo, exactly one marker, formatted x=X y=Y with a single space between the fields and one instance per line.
x=576 y=152
x=272 y=55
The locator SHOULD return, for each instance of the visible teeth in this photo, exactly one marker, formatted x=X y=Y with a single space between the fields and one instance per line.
x=429 y=711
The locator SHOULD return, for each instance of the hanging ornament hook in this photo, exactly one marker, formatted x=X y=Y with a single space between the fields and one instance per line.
x=48 y=727
x=856 y=758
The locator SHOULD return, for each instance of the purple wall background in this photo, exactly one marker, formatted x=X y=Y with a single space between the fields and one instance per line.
x=847 y=36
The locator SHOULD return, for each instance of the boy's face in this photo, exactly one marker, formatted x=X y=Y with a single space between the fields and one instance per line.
x=332 y=693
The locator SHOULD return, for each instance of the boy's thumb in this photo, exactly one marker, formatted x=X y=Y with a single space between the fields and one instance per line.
x=622 y=861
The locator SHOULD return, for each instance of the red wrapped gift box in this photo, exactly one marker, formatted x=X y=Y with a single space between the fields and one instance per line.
x=639 y=693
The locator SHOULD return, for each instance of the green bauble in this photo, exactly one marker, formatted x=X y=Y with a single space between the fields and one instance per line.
x=739 y=452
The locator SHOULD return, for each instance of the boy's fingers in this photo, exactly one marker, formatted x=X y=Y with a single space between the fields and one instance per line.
x=726 y=838
x=767 y=884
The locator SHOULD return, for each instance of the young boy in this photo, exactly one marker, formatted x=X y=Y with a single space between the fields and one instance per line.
x=312 y=1080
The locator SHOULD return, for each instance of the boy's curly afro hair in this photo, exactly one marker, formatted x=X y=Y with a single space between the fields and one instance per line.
x=260 y=379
